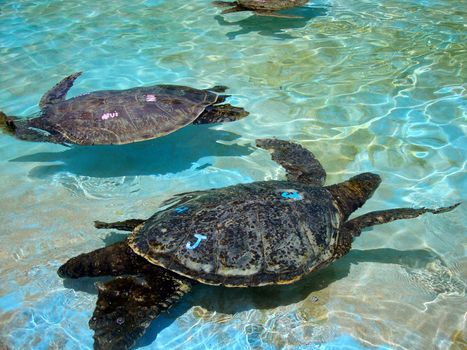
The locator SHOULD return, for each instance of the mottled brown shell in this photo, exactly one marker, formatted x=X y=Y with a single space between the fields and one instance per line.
x=270 y=5
x=124 y=116
x=255 y=234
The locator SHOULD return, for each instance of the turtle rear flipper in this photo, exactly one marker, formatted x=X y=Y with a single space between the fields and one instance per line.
x=126 y=306
x=300 y=164
x=126 y=225
x=114 y=260
x=59 y=91
x=385 y=216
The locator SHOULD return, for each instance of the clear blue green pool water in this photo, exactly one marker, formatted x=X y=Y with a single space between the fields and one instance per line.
x=366 y=85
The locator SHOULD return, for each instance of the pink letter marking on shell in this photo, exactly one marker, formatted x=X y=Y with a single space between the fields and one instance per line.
x=150 y=98
x=106 y=116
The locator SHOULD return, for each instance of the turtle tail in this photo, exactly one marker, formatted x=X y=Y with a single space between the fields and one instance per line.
x=7 y=123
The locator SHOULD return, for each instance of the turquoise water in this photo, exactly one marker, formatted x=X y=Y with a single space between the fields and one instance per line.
x=367 y=86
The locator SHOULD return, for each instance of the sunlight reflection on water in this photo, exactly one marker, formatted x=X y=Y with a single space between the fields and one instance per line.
x=366 y=86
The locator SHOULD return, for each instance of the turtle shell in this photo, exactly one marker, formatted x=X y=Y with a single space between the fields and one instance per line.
x=270 y=5
x=254 y=234
x=124 y=116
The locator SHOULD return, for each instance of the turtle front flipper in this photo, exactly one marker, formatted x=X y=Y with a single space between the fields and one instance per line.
x=300 y=164
x=126 y=225
x=59 y=91
x=384 y=216
x=126 y=306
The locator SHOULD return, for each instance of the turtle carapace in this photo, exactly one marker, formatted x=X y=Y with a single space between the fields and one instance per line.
x=120 y=116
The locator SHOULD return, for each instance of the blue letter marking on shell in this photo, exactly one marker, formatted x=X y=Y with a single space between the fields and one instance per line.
x=197 y=243
x=292 y=195
x=180 y=210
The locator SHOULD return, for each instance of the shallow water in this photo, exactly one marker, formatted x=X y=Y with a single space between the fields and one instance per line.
x=367 y=86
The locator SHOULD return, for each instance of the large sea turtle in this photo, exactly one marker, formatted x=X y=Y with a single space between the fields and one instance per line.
x=247 y=235
x=261 y=7
x=120 y=116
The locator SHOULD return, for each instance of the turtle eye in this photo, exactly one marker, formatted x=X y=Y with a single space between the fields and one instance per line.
x=10 y=124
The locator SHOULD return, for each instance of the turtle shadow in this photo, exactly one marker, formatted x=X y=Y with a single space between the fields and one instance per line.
x=273 y=26
x=234 y=300
x=169 y=154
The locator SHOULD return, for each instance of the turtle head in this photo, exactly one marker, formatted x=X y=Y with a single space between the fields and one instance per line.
x=353 y=193
x=221 y=113
x=7 y=123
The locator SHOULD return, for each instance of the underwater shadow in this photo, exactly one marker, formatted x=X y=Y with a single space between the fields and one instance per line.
x=169 y=154
x=231 y=300
x=272 y=26
x=234 y=300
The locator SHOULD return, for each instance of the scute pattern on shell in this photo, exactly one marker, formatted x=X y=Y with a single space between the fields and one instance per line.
x=85 y=119
x=255 y=236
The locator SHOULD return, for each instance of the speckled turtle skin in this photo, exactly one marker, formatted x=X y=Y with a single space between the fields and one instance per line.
x=118 y=116
x=255 y=236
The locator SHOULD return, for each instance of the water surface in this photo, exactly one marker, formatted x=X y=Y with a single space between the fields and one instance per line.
x=367 y=86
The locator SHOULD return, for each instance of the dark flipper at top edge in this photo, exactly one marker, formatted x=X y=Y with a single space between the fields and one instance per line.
x=59 y=91
x=126 y=225
x=385 y=216
x=126 y=306
x=300 y=164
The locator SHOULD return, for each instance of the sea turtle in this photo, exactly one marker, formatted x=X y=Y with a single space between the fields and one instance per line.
x=120 y=116
x=247 y=235
x=261 y=7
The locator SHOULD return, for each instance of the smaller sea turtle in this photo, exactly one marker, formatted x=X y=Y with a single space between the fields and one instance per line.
x=247 y=235
x=120 y=116
x=261 y=7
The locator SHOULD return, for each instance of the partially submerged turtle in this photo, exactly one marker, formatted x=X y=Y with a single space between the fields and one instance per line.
x=120 y=116
x=247 y=235
x=261 y=7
